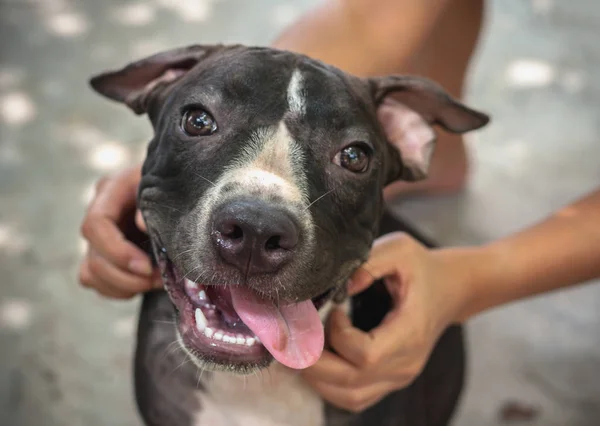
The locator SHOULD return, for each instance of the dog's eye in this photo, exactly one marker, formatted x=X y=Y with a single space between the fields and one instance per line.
x=197 y=122
x=354 y=158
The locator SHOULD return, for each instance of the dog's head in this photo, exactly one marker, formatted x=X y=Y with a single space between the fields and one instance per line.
x=262 y=187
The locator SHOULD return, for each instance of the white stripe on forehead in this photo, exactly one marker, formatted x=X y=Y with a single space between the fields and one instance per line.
x=295 y=96
x=270 y=163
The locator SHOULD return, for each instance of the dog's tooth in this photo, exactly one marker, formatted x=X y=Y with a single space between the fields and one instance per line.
x=226 y=339
x=208 y=332
x=257 y=339
x=191 y=284
x=218 y=336
x=250 y=341
x=200 y=320
x=202 y=295
x=240 y=340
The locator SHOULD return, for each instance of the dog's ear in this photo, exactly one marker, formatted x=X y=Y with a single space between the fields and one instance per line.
x=407 y=108
x=137 y=83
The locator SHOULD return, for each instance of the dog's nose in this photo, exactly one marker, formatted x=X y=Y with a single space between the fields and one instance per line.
x=253 y=236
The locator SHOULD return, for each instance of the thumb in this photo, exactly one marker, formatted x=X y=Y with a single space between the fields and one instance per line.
x=139 y=221
x=382 y=262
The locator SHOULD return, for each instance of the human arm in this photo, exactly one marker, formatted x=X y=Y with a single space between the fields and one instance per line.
x=363 y=37
x=435 y=288
x=561 y=251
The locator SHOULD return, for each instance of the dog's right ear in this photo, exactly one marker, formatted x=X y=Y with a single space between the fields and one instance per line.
x=407 y=109
x=139 y=82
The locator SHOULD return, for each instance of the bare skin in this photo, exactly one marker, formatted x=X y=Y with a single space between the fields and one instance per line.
x=438 y=38
x=436 y=288
x=114 y=266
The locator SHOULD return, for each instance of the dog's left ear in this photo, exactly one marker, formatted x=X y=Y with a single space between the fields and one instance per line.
x=407 y=108
x=137 y=83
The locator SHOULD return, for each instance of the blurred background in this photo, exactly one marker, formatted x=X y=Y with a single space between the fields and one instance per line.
x=65 y=354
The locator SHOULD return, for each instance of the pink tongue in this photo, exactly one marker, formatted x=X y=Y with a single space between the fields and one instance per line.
x=293 y=334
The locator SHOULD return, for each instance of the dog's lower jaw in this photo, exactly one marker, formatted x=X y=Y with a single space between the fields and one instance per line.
x=246 y=369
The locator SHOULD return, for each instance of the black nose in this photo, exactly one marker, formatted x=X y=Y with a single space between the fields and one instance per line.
x=253 y=236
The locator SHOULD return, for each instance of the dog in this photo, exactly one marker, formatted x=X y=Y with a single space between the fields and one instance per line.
x=262 y=194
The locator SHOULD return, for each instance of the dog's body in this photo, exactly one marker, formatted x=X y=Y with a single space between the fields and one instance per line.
x=262 y=193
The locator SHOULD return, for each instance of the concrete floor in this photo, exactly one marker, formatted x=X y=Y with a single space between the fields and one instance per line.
x=65 y=354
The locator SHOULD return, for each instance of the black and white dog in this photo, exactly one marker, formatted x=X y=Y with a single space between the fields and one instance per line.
x=262 y=193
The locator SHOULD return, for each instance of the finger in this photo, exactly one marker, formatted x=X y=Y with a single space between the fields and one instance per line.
x=115 y=198
x=333 y=370
x=106 y=238
x=352 y=399
x=139 y=221
x=156 y=279
x=115 y=278
x=382 y=261
x=88 y=280
x=350 y=343
x=111 y=293
x=366 y=351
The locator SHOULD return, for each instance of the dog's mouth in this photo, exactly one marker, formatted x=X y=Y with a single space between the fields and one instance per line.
x=232 y=327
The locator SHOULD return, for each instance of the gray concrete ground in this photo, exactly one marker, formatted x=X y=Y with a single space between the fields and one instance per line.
x=65 y=354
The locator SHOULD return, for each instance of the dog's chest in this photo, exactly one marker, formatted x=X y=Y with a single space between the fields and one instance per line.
x=275 y=397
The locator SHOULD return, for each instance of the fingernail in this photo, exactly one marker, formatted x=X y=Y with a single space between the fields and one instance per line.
x=140 y=266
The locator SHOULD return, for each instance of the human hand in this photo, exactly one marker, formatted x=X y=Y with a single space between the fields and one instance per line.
x=114 y=266
x=370 y=365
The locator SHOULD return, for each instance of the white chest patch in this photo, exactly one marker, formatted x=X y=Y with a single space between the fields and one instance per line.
x=275 y=397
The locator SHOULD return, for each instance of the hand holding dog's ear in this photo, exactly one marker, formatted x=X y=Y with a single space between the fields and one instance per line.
x=407 y=109
x=368 y=366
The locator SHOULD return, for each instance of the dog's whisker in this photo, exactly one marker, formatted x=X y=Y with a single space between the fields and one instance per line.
x=188 y=274
x=277 y=291
x=200 y=276
x=262 y=377
x=255 y=373
x=270 y=376
x=202 y=177
x=170 y=349
x=318 y=198
x=185 y=361
x=191 y=164
x=182 y=253
x=200 y=373
x=166 y=206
